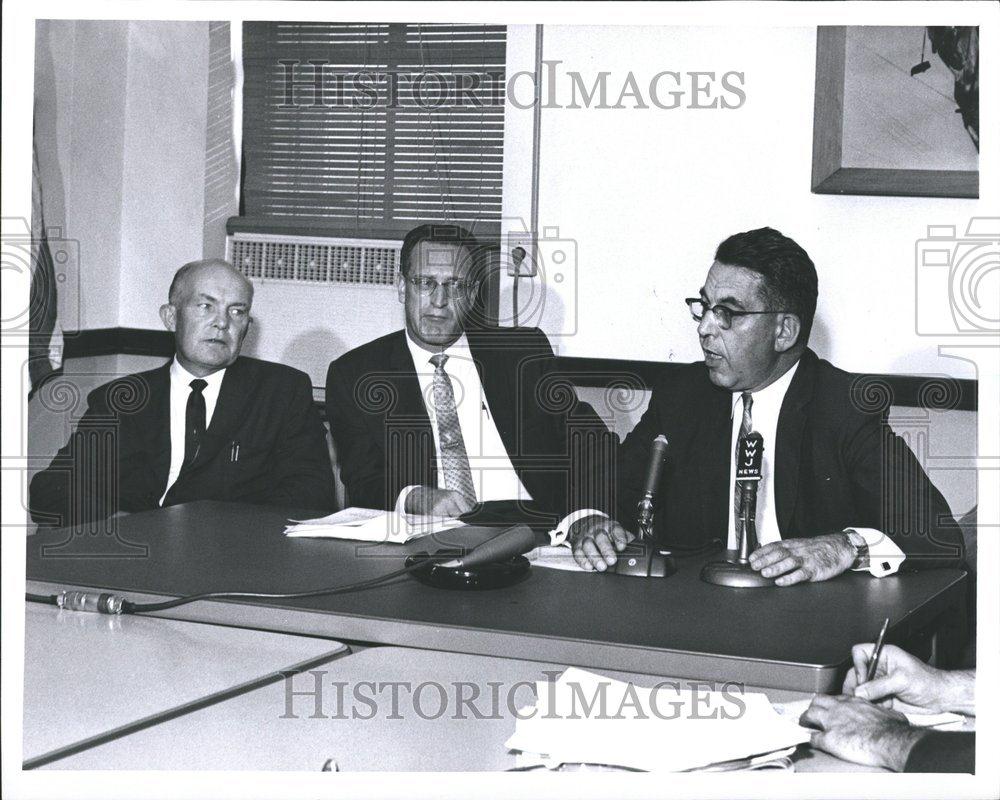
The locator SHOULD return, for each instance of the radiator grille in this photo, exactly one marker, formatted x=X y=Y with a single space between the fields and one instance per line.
x=303 y=259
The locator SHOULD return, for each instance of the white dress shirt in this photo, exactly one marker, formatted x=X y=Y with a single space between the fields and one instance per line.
x=765 y=409
x=493 y=474
x=180 y=390
x=884 y=555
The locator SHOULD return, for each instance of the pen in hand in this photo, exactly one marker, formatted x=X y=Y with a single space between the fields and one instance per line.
x=877 y=652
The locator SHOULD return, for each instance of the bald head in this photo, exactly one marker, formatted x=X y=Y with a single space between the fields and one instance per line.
x=183 y=276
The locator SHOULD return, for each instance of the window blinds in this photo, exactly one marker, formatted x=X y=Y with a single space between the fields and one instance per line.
x=367 y=130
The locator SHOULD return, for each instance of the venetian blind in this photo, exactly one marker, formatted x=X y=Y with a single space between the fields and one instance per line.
x=367 y=130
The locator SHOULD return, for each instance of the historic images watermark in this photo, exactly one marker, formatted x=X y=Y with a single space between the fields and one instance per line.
x=320 y=83
x=310 y=695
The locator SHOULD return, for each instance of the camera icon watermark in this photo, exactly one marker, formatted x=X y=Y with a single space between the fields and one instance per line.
x=551 y=262
x=958 y=280
x=50 y=262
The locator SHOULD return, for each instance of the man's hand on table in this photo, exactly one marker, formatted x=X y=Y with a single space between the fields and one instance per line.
x=433 y=502
x=792 y=561
x=596 y=540
x=855 y=730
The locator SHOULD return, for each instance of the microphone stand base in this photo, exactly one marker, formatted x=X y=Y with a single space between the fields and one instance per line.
x=732 y=573
x=497 y=575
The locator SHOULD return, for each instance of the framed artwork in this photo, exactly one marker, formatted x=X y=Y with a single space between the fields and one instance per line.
x=896 y=111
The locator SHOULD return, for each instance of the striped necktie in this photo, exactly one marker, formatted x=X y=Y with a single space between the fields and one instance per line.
x=454 y=459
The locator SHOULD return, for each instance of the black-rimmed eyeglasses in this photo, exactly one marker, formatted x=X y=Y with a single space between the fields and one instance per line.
x=723 y=315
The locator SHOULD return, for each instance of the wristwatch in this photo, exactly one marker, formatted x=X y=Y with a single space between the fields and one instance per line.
x=860 y=545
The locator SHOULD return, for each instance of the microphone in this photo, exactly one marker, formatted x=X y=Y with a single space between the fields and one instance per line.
x=509 y=543
x=749 y=461
x=657 y=455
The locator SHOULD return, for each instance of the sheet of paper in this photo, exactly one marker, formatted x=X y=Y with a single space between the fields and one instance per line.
x=371 y=525
x=585 y=718
x=945 y=721
x=554 y=557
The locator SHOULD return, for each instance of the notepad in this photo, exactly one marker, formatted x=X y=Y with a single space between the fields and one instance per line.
x=371 y=525
x=586 y=718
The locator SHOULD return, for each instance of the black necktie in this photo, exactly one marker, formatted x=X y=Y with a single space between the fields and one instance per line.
x=194 y=421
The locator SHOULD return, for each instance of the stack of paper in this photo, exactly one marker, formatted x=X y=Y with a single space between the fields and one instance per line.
x=371 y=525
x=584 y=718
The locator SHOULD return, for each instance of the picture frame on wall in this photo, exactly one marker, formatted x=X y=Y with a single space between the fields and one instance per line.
x=896 y=111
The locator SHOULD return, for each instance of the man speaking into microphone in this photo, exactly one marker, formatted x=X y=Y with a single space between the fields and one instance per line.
x=839 y=491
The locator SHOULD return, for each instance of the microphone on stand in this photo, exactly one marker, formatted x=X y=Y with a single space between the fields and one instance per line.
x=749 y=461
x=640 y=558
x=657 y=455
x=736 y=569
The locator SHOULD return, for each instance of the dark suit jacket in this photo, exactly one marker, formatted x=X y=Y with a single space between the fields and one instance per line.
x=384 y=440
x=943 y=751
x=836 y=465
x=118 y=458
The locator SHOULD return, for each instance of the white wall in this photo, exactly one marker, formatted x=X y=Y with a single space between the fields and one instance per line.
x=309 y=326
x=643 y=195
x=80 y=72
x=163 y=188
x=647 y=194
x=121 y=120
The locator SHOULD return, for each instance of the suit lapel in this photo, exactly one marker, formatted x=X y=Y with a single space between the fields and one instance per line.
x=235 y=392
x=230 y=407
x=498 y=382
x=788 y=448
x=154 y=428
x=714 y=455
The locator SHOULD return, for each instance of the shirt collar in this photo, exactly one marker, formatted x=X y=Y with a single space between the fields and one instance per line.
x=179 y=375
x=420 y=356
x=772 y=393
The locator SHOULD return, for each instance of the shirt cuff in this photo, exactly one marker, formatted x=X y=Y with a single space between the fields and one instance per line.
x=401 y=500
x=561 y=532
x=884 y=555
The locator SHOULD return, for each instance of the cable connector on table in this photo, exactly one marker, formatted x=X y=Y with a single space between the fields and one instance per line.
x=102 y=603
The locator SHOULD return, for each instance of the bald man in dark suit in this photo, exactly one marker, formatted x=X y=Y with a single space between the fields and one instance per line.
x=208 y=425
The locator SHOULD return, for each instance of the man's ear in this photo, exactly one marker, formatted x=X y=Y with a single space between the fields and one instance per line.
x=168 y=314
x=401 y=287
x=787 y=334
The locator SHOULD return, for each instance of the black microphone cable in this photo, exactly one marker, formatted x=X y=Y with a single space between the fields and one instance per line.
x=108 y=603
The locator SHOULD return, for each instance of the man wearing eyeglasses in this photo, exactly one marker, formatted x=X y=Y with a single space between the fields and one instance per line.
x=839 y=490
x=450 y=413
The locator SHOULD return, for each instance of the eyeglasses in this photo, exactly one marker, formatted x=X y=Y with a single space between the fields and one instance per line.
x=425 y=284
x=723 y=316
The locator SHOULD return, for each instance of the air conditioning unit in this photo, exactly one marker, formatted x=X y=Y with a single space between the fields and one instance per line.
x=315 y=259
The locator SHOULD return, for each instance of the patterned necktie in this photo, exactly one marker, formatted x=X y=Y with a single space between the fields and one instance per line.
x=194 y=421
x=746 y=426
x=454 y=459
